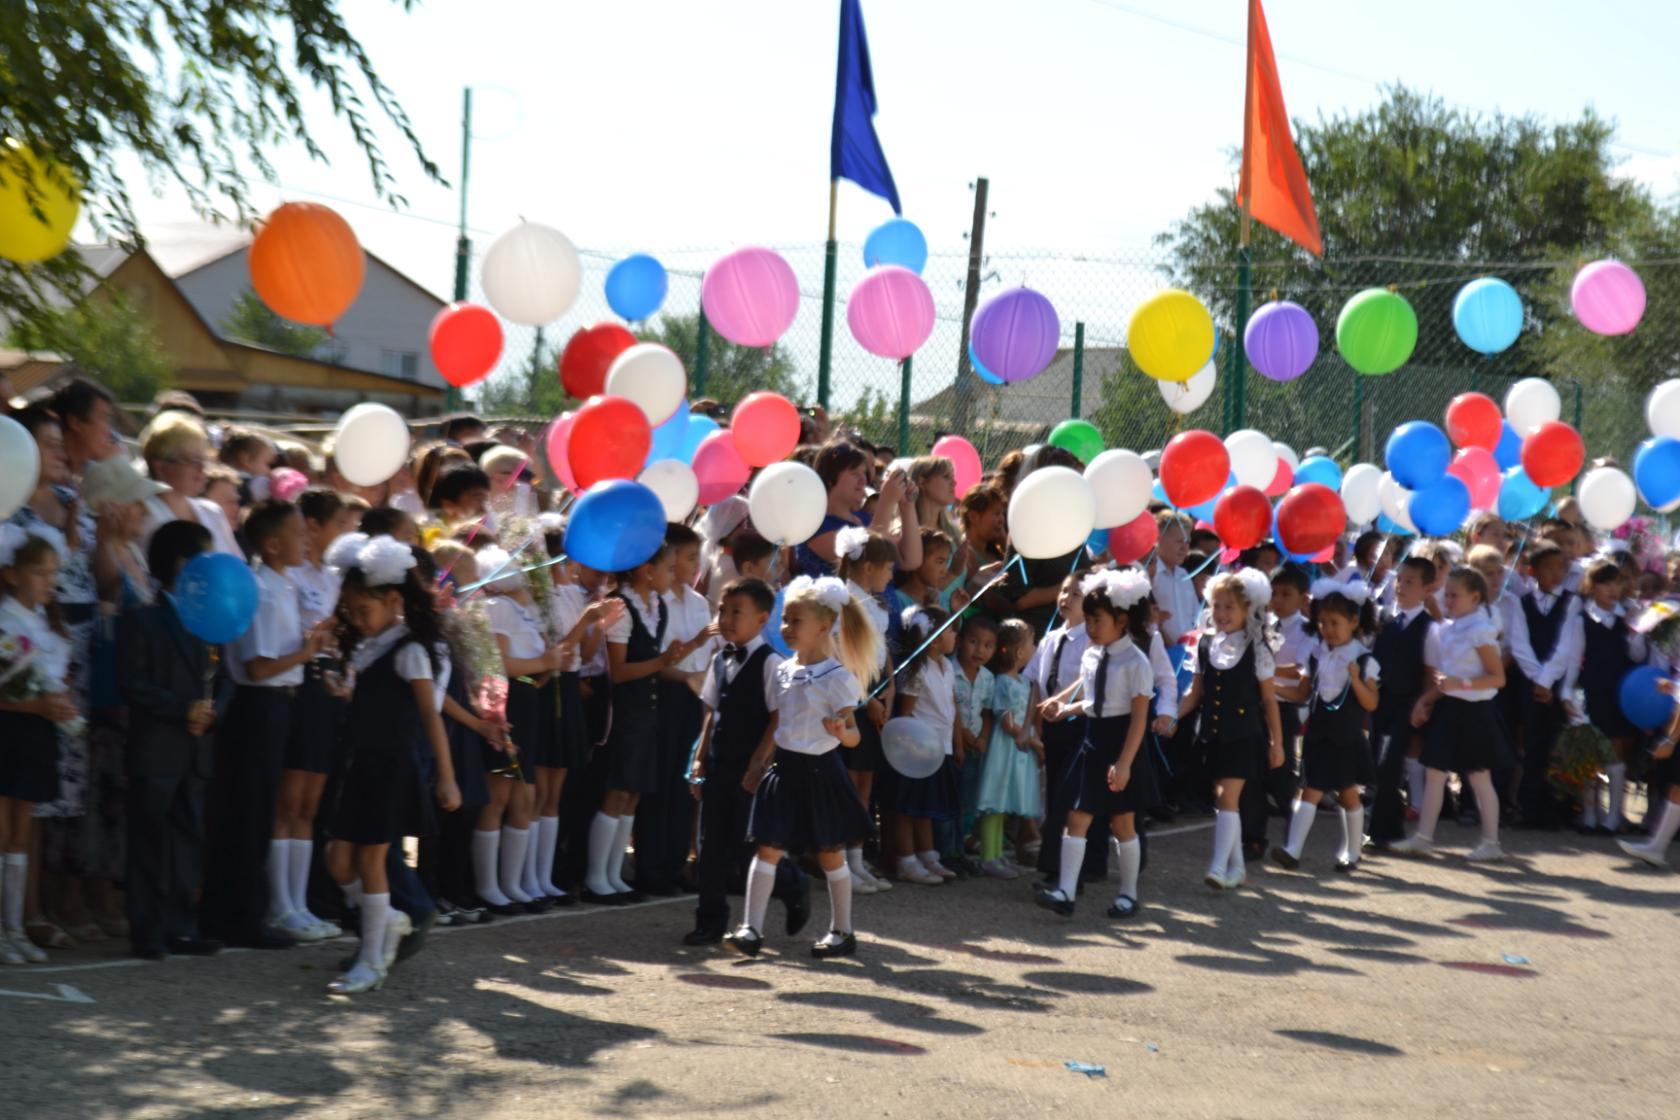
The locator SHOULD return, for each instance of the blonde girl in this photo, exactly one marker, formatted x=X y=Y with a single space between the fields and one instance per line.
x=865 y=562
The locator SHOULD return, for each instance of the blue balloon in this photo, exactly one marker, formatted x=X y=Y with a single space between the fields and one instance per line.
x=616 y=526
x=896 y=241
x=1204 y=512
x=1642 y=704
x=1519 y=498
x=1417 y=454
x=1656 y=471
x=669 y=438
x=1097 y=543
x=1441 y=507
x=1487 y=314
x=773 y=628
x=1387 y=524
x=699 y=427
x=1508 y=452
x=216 y=596
x=636 y=287
x=1159 y=494
x=981 y=371
x=1322 y=470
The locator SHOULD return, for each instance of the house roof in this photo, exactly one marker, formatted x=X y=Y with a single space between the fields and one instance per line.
x=1027 y=403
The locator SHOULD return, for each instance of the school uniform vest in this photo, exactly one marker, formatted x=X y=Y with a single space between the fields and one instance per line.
x=635 y=704
x=1605 y=661
x=382 y=717
x=742 y=715
x=1399 y=650
x=1230 y=697
x=1544 y=629
x=1341 y=720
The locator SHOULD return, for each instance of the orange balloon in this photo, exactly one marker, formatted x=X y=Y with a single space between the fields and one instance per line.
x=306 y=263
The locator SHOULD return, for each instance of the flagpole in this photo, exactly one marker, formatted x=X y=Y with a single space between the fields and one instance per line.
x=1236 y=396
x=830 y=252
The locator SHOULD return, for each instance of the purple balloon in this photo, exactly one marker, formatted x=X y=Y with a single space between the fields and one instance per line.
x=1281 y=340
x=890 y=312
x=750 y=296
x=1015 y=334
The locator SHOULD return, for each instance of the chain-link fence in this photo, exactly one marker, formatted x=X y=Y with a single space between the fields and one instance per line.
x=1602 y=381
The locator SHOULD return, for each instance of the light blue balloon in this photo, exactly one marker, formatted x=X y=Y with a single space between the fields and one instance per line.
x=1441 y=507
x=699 y=427
x=773 y=629
x=669 y=438
x=1322 y=470
x=1656 y=471
x=896 y=241
x=1519 y=498
x=1097 y=543
x=1387 y=524
x=1159 y=494
x=981 y=371
x=1417 y=454
x=1508 y=451
x=1487 y=314
x=636 y=287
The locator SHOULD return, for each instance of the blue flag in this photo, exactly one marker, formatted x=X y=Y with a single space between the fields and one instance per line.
x=857 y=151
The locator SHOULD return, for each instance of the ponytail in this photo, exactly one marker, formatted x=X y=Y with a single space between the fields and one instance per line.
x=859 y=646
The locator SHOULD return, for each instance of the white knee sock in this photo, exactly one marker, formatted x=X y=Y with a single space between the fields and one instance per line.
x=840 y=899
x=1660 y=836
x=352 y=893
x=512 y=862
x=279 y=880
x=761 y=880
x=376 y=912
x=1589 y=805
x=302 y=853
x=1227 y=834
x=854 y=861
x=1300 y=823
x=1434 y=790
x=602 y=831
x=1617 y=773
x=615 y=859
x=11 y=891
x=1353 y=833
x=484 y=852
x=530 y=882
x=1235 y=865
x=548 y=835
x=1487 y=804
x=1129 y=855
x=1073 y=858
x=1416 y=781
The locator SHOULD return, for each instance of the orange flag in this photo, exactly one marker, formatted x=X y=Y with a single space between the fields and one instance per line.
x=1273 y=184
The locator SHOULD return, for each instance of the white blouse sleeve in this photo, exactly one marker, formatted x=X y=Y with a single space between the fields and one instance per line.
x=413 y=663
x=1138 y=679
x=1372 y=670
x=1265 y=662
x=841 y=691
x=503 y=616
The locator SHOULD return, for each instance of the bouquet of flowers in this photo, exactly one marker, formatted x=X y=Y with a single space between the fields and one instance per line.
x=1660 y=623
x=22 y=677
x=467 y=627
x=1581 y=754
x=1644 y=541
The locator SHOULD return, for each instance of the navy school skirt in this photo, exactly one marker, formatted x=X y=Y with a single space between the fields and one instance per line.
x=312 y=743
x=807 y=802
x=1466 y=736
x=931 y=798
x=1083 y=785
x=384 y=796
x=28 y=758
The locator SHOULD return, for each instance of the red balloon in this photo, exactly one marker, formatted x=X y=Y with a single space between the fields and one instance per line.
x=1242 y=517
x=766 y=428
x=588 y=356
x=1473 y=420
x=466 y=343
x=1132 y=541
x=1552 y=454
x=1281 y=481
x=1194 y=468
x=1479 y=471
x=610 y=438
x=1309 y=519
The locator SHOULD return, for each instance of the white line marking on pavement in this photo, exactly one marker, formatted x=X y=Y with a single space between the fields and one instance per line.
x=66 y=994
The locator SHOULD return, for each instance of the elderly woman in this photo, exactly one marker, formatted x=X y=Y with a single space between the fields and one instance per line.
x=177 y=454
x=510 y=486
x=844 y=471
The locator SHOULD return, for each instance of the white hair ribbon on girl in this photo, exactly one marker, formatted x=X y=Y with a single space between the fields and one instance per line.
x=384 y=561
x=1257 y=590
x=849 y=542
x=1125 y=588
x=342 y=552
x=827 y=590
x=1354 y=590
x=496 y=569
x=916 y=619
x=14 y=537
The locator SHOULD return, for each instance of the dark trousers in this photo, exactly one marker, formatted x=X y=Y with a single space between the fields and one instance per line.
x=1541 y=725
x=665 y=817
x=446 y=859
x=1391 y=734
x=585 y=786
x=1061 y=742
x=725 y=852
x=1189 y=783
x=1277 y=785
x=165 y=858
x=407 y=892
x=240 y=824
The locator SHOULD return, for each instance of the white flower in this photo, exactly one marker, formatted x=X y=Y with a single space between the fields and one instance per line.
x=916 y=619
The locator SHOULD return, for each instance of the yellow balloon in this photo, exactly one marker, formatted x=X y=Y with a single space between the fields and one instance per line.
x=1171 y=335
x=24 y=237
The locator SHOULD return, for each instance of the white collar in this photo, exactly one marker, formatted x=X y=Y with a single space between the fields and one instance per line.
x=372 y=649
x=25 y=616
x=752 y=646
x=272 y=574
x=1120 y=644
x=1608 y=617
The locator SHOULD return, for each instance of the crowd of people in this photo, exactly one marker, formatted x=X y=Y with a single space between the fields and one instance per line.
x=425 y=663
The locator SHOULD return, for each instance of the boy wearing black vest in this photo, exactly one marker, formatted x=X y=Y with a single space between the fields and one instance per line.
x=739 y=721
x=1547 y=640
x=1402 y=628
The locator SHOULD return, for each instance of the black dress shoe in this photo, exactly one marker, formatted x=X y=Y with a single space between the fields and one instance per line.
x=536 y=905
x=703 y=937
x=630 y=896
x=1123 y=907
x=150 y=953
x=1346 y=866
x=260 y=939
x=658 y=890
x=826 y=950
x=563 y=900
x=746 y=942
x=1053 y=900
x=799 y=906
x=612 y=898
x=504 y=909
x=194 y=946
x=1284 y=859
x=415 y=939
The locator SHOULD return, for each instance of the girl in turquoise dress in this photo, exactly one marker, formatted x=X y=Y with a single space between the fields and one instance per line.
x=1009 y=779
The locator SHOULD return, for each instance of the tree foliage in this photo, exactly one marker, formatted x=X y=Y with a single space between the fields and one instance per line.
x=199 y=93
x=731 y=371
x=108 y=337
x=533 y=389
x=250 y=320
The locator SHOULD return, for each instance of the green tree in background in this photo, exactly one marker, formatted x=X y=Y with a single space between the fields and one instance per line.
x=250 y=320
x=874 y=416
x=109 y=338
x=731 y=371
x=533 y=389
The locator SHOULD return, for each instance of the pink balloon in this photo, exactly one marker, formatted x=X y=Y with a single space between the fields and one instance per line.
x=766 y=428
x=1479 y=471
x=750 y=296
x=1608 y=297
x=1281 y=481
x=1229 y=555
x=890 y=312
x=719 y=467
x=559 y=436
x=1324 y=556
x=963 y=457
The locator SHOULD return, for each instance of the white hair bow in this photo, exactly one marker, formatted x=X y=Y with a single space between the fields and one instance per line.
x=385 y=561
x=827 y=590
x=849 y=542
x=915 y=618
x=1354 y=590
x=342 y=552
x=1125 y=588
x=1257 y=590
x=496 y=569
x=14 y=536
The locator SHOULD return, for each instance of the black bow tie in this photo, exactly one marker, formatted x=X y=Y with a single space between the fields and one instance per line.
x=735 y=653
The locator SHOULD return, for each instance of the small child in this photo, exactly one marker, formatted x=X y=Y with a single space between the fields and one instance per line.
x=1546 y=642
x=1176 y=605
x=1609 y=649
x=1055 y=664
x=1654 y=851
x=865 y=561
x=1402 y=632
x=976 y=642
x=1009 y=774
x=929 y=693
x=925 y=586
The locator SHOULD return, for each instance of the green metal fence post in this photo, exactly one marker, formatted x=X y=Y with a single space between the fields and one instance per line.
x=1239 y=362
x=1078 y=368
x=904 y=407
x=701 y=347
x=1358 y=416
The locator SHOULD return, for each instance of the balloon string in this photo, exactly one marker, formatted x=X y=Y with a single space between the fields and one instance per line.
x=1200 y=568
x=503 y=572
x=947 y=624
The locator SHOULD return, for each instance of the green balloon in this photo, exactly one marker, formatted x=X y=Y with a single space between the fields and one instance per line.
x=1376 y=331
x=1079 y=437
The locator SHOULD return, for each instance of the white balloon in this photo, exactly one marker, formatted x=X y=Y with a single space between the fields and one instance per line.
x=20 y=466
x=1395 y=500
x=1254 y=459
x=1530 y=403
x=1287 y=454
x=913 y=747
x=1121 y=481
x=651 y=376
x=1051 y=513
x=370 y=444
x=787 y=503
x=1607 y=498
x=531 y=274
x=674 y=482
x=1188 y=396
x=1662 y=409
x=1362 y=493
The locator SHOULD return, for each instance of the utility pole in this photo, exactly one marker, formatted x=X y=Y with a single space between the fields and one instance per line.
x=463 y=245
x=963 y=396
